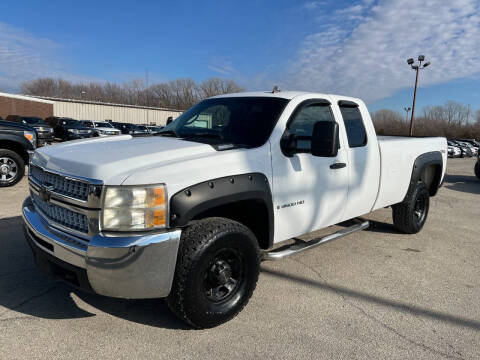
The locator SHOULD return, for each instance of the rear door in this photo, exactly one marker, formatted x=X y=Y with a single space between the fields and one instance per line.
x=363 y=156
x=309 y=192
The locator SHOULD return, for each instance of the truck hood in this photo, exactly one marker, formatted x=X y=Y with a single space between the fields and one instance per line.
x=113 y=159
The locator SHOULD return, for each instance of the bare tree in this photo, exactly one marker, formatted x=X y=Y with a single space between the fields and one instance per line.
x=451 y=120
x=178 y=94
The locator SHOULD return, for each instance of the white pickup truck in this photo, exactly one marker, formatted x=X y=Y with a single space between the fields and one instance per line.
x=190 y=213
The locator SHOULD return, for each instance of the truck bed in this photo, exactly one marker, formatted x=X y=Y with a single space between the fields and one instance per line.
x=397 y=156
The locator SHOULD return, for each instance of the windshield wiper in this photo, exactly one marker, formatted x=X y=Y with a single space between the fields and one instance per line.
x=167 y=133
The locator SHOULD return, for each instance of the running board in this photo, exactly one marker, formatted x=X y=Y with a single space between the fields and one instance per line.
x=300 y=245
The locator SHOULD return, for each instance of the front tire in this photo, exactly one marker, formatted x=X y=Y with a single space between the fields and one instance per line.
x=477 y=169
x=12 y=168
x=410 y=215
x=217 y=270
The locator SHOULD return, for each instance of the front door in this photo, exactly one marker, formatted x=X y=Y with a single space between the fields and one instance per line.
x=309 y=192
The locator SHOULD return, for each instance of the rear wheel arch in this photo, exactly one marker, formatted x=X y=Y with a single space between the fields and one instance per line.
x=428 y=169
x=244 y=198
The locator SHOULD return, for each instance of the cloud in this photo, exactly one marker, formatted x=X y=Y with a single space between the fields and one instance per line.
x=221 y=66
x=25 y=57
x=363 y=50
x=311 y=5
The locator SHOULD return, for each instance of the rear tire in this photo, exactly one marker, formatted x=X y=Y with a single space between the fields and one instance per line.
x=410 y=215
x=12 y=168
x=217 y=270
x=477 y=169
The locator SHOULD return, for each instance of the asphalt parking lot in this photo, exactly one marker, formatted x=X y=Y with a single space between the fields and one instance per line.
x=377 y=294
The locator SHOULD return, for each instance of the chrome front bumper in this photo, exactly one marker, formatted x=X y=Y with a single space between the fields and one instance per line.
x=132 y=267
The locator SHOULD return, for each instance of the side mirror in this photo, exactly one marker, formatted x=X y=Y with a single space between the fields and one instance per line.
x=325 y=139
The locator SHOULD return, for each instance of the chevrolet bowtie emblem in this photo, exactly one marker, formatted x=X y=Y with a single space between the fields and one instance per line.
x=45 y=193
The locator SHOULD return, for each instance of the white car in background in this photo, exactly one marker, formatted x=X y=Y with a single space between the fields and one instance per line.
x=101 y=128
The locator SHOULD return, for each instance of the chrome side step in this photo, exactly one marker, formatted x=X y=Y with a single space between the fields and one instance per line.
x=300 y=245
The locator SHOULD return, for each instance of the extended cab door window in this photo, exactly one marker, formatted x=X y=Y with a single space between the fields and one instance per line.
x=304 y=120
x=356 y=134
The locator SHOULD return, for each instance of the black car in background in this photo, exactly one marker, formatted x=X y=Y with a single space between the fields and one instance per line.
x=130 y=129
x=68 y=129
x=44 y=131
x=16 y=141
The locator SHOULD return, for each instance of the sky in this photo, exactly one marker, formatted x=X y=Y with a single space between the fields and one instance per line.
x=356 y=48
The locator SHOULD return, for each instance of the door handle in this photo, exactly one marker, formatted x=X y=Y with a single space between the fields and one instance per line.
x=338 y=165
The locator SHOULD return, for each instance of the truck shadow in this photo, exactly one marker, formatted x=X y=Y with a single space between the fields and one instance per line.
x=463 y=183
x=25 y=292
x=378 y=300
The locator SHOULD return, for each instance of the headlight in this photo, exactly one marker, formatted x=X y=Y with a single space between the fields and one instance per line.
x=73 y=131
x=31 y=136
x=132 y=208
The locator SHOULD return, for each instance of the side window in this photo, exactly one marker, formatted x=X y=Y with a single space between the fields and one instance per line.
x=305 y=119
x=357 y=136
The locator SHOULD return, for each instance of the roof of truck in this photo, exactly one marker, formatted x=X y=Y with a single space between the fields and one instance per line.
x=284 y=95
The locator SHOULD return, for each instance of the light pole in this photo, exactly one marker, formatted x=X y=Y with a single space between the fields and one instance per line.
x=407 y=110
x=416 y=67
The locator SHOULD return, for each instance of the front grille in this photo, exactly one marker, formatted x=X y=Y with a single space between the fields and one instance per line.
x=62 y=185
x=43 y=134
x=61 y=215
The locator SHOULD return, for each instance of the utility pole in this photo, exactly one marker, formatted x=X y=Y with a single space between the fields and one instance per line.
x=415 y=67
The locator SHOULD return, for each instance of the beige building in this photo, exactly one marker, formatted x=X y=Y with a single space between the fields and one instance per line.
x=90 y=110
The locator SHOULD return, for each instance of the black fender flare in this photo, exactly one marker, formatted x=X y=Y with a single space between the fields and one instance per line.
x=190 y=202
x=421 y=162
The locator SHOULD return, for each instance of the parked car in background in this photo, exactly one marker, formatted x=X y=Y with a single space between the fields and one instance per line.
x=68 y=129
x=101 y=128
x=457 y=149
x=454 y=151
x=471 y=150
x=154 y=129
x=466 y=152
x=16 y=141
x=130 y=129
x=44 y=131
x=471 y=141
x=472 y=145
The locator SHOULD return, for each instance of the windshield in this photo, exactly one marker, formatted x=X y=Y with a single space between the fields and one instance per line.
x=246 y=121
x=33 y=120
x=103 y=124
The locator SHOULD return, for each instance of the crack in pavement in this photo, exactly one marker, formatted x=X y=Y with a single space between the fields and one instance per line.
x=378 y=321
x=33 y=297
